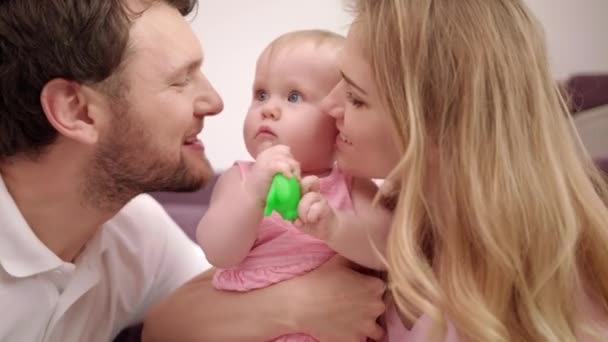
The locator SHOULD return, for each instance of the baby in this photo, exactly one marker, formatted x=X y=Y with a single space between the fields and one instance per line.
x=286 y=131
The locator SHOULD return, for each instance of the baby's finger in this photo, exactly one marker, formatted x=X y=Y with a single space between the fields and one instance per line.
x=309 y=183
x=282 y=166
x=282 y=150
x=306 y=203
x=315 y=212
x=295 y=167
x=270 y=152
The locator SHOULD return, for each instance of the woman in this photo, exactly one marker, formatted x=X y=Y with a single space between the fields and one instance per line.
x=500 y=224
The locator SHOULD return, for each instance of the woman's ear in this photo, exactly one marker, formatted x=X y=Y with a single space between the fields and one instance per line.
x=66 y=107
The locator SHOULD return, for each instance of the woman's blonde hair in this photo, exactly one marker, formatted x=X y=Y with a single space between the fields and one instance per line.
x=506 y=222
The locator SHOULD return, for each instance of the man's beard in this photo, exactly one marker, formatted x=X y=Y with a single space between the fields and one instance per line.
x=127 y=164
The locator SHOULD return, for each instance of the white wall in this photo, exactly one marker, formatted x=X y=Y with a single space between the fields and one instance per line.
x=577 y=34
x=233 y=33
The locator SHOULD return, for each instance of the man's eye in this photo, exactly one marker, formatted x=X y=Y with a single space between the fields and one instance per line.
x=182 y=83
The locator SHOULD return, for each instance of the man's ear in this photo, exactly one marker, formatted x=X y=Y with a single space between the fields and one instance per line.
x=67 y=109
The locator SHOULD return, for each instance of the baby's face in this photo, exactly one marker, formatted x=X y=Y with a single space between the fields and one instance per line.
x=289 y=85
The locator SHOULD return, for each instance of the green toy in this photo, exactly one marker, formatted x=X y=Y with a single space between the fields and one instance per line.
x=283 y=197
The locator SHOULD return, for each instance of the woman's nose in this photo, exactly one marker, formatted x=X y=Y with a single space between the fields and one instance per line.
x=333 y=103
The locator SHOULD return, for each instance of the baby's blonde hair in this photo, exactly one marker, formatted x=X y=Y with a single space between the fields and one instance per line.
x=523 y=224
x=315 y=36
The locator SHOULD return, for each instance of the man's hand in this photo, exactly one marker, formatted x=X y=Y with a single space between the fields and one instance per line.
x=337 y=304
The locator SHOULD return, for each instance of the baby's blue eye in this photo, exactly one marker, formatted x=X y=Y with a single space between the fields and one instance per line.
x=294 y=96
x=261 y=95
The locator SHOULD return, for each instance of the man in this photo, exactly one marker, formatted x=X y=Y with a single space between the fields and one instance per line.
x=100 y=101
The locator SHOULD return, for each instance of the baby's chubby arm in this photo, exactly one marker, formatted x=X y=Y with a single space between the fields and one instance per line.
x=229 y=228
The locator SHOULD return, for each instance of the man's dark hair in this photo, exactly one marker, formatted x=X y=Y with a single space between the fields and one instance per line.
x=80 y=40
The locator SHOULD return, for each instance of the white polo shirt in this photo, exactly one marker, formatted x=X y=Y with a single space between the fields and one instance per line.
x=138 y=257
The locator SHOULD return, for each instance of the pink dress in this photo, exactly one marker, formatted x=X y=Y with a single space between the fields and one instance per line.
x=281 y=251
x=422 y=329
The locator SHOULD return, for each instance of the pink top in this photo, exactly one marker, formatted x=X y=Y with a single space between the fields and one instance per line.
x=422 y=329
x=281 y=251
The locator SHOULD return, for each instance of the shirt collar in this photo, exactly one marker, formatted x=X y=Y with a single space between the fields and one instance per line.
x=22 y=254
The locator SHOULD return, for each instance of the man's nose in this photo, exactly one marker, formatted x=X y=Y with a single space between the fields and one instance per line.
x=209 y=101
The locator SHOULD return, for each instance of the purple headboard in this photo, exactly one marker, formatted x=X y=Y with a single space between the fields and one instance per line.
x=187 y=208
x=586 y=91
x=603 y=164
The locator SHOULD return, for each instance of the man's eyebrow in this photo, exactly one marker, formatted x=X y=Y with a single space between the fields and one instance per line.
x=353 y=84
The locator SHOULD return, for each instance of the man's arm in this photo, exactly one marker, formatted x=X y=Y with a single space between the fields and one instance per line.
x=198 y=312
x=332 y=303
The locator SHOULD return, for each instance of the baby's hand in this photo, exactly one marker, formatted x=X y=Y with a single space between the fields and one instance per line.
x=315 y=216
x=273 y=160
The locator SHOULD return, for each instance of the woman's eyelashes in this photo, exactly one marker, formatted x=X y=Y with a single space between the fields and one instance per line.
x=352 y=99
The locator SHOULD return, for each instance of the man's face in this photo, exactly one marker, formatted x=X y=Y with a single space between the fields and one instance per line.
x=150 y=141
